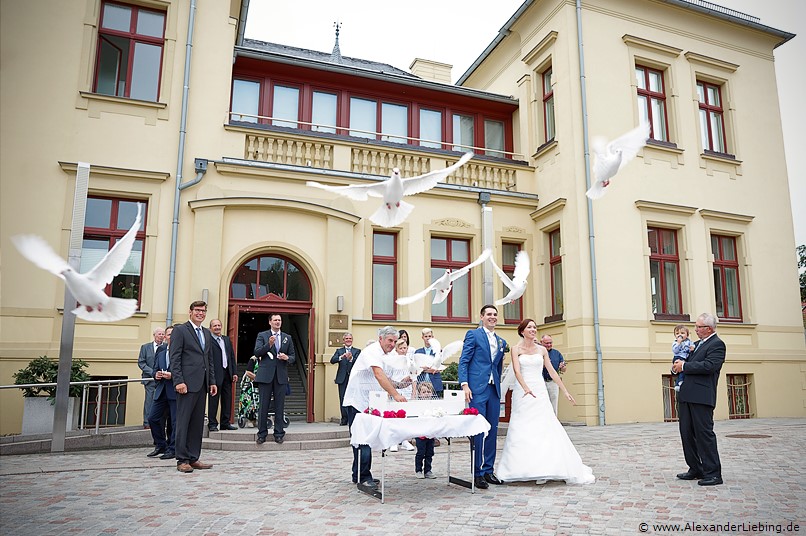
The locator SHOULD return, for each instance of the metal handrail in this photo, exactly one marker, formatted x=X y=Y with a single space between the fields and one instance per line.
x=84 y=394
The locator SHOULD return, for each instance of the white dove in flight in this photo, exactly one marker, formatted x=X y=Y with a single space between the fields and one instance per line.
x=88 y=288
x=444 y=283
x=516 y=285
x=609 y=158
x=394 y=210
x=440 y=354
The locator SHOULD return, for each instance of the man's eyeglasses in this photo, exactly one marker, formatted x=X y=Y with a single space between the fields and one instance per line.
x=199 y=310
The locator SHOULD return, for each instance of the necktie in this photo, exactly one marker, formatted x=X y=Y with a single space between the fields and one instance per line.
x=201 y=337
x=223 y=352
x=277 y=341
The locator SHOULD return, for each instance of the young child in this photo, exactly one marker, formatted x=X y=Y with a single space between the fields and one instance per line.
x=425 y=445
x=681 y=348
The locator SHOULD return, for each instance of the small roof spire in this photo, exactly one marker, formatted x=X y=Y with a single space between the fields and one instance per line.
x=335 y=56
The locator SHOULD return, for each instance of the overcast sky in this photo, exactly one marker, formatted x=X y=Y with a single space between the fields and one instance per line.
x=457 y=31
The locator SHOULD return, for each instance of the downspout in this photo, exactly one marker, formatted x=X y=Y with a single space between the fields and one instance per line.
x=242 y=22
x=179 y=164
x=591 y=236
x=486 y=242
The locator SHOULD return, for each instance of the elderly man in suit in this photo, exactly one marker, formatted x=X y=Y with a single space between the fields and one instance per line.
x=164 y=400
x=192 y=371
x=275 y=351
x=480 y=376
x=146 y=363
x=697 y=399
x=225 y=375
x=345 y=357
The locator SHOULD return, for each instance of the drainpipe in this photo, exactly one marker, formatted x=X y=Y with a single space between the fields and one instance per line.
x=591 y=236
x=179 y=164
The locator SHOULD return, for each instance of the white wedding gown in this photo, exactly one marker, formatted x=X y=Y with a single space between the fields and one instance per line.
x=537 y=447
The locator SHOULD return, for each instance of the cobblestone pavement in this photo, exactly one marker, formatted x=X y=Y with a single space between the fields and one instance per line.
x=309 y=492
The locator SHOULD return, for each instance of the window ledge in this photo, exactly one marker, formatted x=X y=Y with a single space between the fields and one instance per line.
x=672 y=317
x=721 y=157
x=95 y=104
x=553 y=319
x=546 y=147
x=137 y=314
x=664 y=146
x=122 y=100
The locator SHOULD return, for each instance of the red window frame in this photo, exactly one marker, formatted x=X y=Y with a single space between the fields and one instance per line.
x=509 y=269
x=548 y=96
x=389 y=261
x=721 y=264
x=662 y=259
x=654 y=95
x=133 y=37
x=739 y=396
x=713 y=109
x=270 y=294
x=555 y=260
x=669 y=398
x=112 y=234
x=454 y=265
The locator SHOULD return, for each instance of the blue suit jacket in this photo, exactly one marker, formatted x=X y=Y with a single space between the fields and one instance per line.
x=476 y=364
x=163 y=386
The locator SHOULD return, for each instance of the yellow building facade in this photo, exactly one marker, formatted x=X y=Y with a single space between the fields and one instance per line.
x=253 y=122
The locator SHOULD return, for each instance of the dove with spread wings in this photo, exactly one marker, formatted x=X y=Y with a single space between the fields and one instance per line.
x=394 y=210
x=516 y=285
x=88 y=288
x=444 y=283
x=435 y=361
x=611 y=157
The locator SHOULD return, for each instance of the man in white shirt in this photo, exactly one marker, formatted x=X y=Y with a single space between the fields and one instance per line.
x=367 y=375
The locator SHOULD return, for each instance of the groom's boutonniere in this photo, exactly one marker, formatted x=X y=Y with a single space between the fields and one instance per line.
x=504 y=346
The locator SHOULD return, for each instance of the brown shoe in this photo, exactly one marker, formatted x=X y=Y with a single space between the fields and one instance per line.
x=184 y=468
x=199 y=465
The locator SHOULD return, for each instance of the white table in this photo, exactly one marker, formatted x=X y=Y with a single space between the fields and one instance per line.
x=380 y=434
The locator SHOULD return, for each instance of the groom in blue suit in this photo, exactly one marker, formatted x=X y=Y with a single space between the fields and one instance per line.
x=480 y=377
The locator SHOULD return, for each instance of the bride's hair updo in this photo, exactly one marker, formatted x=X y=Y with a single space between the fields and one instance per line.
x=522 y=325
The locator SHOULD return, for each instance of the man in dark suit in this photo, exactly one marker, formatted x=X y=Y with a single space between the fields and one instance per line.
x=146 y=363
x=345 y=357
x=224 y=367
x=164 y=400
x=480 y=376
x=275 y=351
x=697 y=398
x=192 y=371
x=430 y=375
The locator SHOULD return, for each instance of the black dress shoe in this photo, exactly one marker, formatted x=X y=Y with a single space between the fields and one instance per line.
x=260 y=440
x=279 y=440
x=371 y=483
x=155 y=452
x=480 y=482
x=688 y=475
x=492 y=479
x=374 y=480
x=213 y=428
x=710 y=481
x=169 y=455
x=228 y=427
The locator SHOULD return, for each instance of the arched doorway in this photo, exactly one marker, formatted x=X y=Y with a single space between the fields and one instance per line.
x=273 y=283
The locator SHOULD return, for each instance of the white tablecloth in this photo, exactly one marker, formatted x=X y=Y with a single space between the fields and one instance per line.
x=380 y=433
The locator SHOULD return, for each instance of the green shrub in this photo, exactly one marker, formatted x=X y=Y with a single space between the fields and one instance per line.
x=45 y=370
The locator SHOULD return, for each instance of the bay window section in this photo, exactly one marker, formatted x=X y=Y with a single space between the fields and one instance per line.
x=726 y=278
x=130 y=46
x=363 y=117
x=430 y=128
x=454 y=254
x=245 y=101
x=394 y=123
x=106 y=221
x=463 y=132
x=494 y=138
x=285 y=106
x=384 y=275
x=664 y=274
x=323 y=114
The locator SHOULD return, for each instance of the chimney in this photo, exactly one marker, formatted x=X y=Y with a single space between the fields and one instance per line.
x=431 y=70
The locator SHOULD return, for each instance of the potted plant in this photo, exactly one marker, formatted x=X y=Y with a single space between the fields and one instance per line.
x=38 y=410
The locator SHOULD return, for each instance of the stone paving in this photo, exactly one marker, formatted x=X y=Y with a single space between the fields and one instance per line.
x=121 y=492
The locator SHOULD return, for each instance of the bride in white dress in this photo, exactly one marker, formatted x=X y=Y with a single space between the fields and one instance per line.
x=537 y=447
